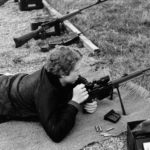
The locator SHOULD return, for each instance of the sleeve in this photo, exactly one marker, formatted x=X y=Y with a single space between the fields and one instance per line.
x=74 y=104
x=61 y=122
x=57 y=121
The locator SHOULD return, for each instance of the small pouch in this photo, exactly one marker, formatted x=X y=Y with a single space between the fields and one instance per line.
x=112 y=116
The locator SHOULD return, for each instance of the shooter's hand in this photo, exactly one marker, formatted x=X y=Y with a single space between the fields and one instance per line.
x=80 y=93
x=90 y=107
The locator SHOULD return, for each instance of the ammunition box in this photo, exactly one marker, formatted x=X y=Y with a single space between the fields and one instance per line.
x=26 y=5
x=136 y=139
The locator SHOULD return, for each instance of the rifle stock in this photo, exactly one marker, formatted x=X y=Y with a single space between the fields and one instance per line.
x=23 y=39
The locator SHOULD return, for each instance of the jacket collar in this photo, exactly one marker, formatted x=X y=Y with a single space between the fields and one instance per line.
x=54 y=79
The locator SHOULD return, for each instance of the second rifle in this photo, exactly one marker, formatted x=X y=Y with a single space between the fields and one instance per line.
x=54 y=23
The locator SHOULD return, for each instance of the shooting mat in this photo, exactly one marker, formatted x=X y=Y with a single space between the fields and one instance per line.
x=24 y=135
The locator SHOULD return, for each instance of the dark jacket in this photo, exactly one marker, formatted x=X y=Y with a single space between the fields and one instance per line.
x=40 y=96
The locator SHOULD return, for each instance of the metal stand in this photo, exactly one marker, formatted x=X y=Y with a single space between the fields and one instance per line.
x=57 y=29
x=121 y=102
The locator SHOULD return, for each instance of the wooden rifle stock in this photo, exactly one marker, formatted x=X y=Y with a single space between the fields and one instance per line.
x=23 y=39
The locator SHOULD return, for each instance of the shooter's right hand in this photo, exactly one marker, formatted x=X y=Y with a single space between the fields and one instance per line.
x=80 y=93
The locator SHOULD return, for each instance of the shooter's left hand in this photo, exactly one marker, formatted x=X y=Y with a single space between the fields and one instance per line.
x=90 y=107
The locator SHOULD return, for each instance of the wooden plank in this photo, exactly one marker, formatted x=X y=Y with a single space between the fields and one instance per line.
x=86 y=42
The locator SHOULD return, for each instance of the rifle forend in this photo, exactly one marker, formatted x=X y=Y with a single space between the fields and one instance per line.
x=116 y=82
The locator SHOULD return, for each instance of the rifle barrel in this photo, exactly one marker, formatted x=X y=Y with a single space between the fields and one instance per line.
x=98 y=2
x=128 y=77
x=68 y=16
x=65 y=17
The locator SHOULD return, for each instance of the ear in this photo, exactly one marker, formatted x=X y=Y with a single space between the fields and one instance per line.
x=63 y=80
x=62 y=76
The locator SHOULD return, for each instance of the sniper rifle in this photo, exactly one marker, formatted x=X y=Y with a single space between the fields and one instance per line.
x=54 y=23
x=103 y=87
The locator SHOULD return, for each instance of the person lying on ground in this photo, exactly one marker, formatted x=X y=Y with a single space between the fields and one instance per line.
x=48 y=95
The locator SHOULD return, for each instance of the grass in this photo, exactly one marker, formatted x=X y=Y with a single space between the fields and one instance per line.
x=121 y=30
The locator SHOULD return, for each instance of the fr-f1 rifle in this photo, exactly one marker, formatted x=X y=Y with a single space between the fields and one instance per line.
x=54 y=23
x=103 y=87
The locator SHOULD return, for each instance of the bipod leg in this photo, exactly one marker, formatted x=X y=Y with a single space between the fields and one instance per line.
x=57 y=29
x=121 y=102
x=111 y=96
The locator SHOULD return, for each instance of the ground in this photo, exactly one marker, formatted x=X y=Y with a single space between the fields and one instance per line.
x=28 y=58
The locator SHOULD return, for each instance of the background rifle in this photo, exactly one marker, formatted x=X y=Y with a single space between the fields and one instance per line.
x=103 y=87
x=54 y=23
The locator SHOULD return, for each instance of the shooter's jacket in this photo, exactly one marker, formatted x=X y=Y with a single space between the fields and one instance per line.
x=40 y=96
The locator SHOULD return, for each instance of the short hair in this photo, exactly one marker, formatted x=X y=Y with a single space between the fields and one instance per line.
x=62 y=60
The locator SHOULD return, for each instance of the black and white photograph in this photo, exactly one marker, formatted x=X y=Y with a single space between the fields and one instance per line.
x=74 y=75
